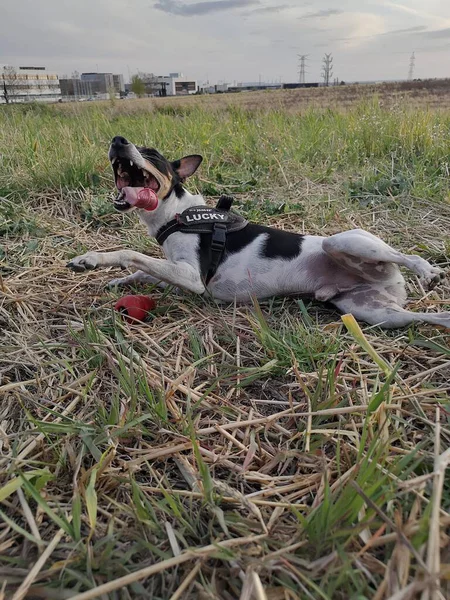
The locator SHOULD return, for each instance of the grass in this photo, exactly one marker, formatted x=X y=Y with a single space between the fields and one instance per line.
x=382 y=150
x=267 y=451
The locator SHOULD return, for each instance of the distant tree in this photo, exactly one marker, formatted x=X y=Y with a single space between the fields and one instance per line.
x=10 y=84
x=151 y=83
x=112 y=96
x=137 y=86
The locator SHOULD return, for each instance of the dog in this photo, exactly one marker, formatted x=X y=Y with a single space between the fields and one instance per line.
x=216 y=251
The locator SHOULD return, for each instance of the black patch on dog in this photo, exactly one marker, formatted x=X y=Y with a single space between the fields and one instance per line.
x=120 y=149
x=157 y=159
x=278 y=244
x=166 y=168
x=177 y=187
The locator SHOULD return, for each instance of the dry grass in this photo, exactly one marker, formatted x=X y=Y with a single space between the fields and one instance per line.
x=270 y=451
x=430 y=94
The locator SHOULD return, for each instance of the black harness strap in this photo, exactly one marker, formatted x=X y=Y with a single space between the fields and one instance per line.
x=166 y=230
x=203 y=220
x=219 y=239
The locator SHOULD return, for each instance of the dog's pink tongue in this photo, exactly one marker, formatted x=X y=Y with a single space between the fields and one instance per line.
x=140 y=197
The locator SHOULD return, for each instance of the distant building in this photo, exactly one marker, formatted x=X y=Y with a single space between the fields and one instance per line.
x=183 y=88
x=175 y=84
x=293 y=86
x=74 y=88
x=254 y=87
x=206 y=88
x=221 y=88
x=218 y=88
x=91 y=85
x=101 y=83
x=28 y=84
x=118 y=83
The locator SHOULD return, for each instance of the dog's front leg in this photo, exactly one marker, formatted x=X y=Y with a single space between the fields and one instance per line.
x=180 y=273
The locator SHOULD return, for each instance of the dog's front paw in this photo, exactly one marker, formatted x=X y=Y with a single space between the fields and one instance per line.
x=84 y=262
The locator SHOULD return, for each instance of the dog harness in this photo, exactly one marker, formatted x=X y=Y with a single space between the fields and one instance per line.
x=212 y=224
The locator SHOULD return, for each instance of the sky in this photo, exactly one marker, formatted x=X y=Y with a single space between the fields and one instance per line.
x=231 y=41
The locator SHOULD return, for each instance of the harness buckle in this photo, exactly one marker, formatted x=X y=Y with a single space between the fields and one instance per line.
x=225 y=202
x=219 y=236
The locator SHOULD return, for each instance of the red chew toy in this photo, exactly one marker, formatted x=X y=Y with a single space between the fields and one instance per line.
x=135 y=308
x=147 y=199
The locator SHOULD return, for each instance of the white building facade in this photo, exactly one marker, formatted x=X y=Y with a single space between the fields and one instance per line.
x=176 y=84
x=28 y=84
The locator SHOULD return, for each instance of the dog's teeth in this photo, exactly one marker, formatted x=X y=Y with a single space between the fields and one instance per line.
x=131 y=163
x=113 y=160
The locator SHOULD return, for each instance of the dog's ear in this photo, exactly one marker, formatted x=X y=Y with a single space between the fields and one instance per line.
x=186 y=166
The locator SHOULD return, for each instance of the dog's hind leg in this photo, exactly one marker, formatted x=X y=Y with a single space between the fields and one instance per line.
x=139 y=277
x=376 y=307
x=364 y=254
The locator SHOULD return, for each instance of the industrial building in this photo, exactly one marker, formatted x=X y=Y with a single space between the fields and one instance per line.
x=28 y=84
x=119 y=84
x=91 y=85
x=100 y=83
x=218 y=88
x=294 y=86
x=176 y=84
x=75 y=88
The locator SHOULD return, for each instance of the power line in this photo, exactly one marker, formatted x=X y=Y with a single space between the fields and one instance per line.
x=302 y=72
x=412 y=64
x=327 y=71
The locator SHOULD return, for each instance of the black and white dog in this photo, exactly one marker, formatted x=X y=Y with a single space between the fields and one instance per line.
x=354 y=270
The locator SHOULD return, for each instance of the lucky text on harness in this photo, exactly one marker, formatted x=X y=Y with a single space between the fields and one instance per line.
x=216 y=222
x=195 y=217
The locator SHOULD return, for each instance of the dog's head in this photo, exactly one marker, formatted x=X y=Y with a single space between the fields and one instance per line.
x=136 y=168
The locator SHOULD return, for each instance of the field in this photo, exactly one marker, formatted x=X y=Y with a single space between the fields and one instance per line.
x=271 y=451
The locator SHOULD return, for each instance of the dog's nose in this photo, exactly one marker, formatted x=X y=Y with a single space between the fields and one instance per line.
x=119 y=141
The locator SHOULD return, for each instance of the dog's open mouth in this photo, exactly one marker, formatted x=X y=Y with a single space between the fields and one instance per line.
x=130 y=181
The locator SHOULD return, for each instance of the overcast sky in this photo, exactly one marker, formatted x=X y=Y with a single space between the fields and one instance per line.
x=229 y=40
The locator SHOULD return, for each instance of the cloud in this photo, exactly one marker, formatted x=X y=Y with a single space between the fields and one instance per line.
x=322 y=14
x=419 y=31
x=268 y=9
x=415 y=29
x=175 y=7
x=436 y=17
x=394 y=32
x=361 y=28
x=51 y=36
x=437 y=33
